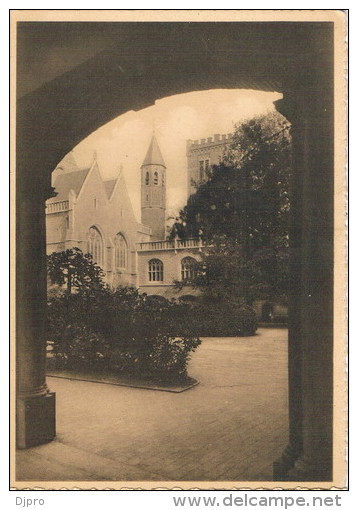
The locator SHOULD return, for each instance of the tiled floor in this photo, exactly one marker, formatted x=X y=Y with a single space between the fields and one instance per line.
x=232 y=426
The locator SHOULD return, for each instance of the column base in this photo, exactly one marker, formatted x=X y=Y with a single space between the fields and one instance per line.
x=35 y=420
x=304 y=471
x=282 y=466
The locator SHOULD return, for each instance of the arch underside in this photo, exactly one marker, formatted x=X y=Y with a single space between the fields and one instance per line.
x=144 y=63
x=137 y=64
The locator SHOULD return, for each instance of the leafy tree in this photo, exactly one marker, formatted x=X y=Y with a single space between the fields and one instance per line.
x=242 y=210
x=74 y=269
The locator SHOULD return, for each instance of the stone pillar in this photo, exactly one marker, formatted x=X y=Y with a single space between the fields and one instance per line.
x=35 y=404
x=308 y=456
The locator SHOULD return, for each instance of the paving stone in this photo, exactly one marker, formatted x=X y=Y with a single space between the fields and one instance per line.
x=233 y=425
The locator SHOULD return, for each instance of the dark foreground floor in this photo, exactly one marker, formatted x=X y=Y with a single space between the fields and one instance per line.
x=232 y=426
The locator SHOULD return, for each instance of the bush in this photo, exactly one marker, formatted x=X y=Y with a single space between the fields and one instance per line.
x=224 y=319
x=122 y=331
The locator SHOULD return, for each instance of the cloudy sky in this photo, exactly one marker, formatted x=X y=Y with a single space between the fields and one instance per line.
x=125 y=140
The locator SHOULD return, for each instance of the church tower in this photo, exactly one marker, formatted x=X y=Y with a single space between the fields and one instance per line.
x=153 y=185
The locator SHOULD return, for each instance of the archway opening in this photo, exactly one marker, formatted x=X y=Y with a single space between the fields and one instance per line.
x=206 y=55
x=111 y=197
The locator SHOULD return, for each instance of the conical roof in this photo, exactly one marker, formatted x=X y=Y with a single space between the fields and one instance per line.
x=153 y=156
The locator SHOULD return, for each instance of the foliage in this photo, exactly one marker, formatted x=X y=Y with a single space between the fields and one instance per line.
x=224 y=319
x=74 y=269
x=121 y=331
x=242 y=210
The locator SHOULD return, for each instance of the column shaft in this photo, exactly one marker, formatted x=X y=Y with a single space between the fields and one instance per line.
x=309 y=454
x=35 y=411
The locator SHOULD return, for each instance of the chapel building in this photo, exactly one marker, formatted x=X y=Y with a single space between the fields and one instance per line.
x=97 y=216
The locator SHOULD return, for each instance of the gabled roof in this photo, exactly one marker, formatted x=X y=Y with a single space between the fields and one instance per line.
x=109 y=187
x=65 y=182
x=68 y=163
x=153 y=156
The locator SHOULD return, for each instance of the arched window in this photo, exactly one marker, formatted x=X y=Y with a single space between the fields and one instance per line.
x=155 y=180
x=147 y=178
x=188 y=268
x=120 y=251
x=155 y=270
x=95 y=245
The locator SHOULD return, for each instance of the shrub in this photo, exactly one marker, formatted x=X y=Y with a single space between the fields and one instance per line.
x=122 y=331
x=224 y=319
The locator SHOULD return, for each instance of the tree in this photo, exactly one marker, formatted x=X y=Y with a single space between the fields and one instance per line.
x=242 y=210
x=74 y=269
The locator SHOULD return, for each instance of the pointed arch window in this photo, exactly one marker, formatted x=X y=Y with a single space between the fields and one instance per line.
x=95 y=245
x=155 y=270
x=147 y=178
x=120 y=252
x=188 y=268
x=156 y=179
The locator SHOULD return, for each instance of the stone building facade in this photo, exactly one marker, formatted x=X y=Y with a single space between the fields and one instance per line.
x=161 y=263
x=202 y=154
x=96 y=216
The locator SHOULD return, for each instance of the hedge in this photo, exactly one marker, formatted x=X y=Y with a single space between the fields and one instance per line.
x=121 y=331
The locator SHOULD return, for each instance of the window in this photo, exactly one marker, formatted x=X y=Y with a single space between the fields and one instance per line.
x=155 y=180
x=155 y=270
x=95 y=203
x=120 y=252
x=147 y=178
x=188 y=268
x=207 y=165
x=95 y=245
x=201 y=170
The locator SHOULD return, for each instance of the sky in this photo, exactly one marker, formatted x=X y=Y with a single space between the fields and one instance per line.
x=123 y=142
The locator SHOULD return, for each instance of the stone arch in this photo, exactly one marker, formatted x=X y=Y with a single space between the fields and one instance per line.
x=121 y=254
x=53 y=115
x=95 y=244
x=188 y=267
x=155 y=270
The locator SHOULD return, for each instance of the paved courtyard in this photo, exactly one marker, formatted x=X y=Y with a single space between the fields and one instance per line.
x=232 y=426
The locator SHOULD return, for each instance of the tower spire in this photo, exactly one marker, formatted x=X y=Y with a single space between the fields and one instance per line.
x=153 y=186
x=154 y=155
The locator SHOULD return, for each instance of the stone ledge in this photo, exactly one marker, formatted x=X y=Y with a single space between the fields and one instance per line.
x=130 y=382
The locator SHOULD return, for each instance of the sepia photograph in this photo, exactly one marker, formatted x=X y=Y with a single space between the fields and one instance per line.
x=179 y=265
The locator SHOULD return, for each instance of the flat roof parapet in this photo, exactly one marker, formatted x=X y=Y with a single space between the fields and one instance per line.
x=217 y=139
